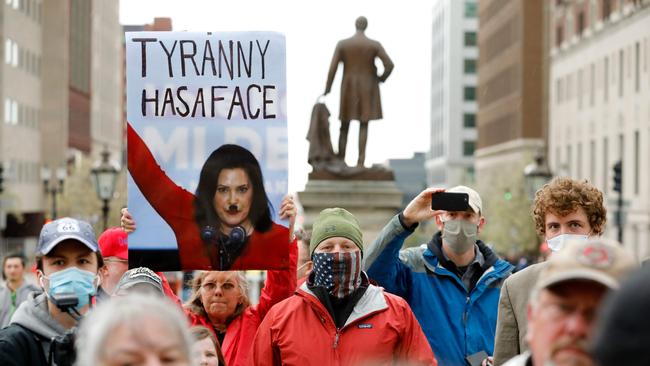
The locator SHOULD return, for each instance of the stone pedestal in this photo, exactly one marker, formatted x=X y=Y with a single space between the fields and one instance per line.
x=373 y=202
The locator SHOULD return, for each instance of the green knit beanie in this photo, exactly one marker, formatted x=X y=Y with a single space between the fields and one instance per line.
x=333 y=222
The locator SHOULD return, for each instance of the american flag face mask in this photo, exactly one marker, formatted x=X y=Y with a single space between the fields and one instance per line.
x=339 y=273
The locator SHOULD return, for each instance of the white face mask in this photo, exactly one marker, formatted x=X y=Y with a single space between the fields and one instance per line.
x=558 y=242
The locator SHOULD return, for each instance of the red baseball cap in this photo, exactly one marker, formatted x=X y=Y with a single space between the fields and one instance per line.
x=113 y=243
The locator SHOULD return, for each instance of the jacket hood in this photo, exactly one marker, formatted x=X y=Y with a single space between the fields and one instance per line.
x=33 y=315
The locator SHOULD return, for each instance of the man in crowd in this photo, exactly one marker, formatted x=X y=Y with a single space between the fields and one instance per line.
x=67 y=260
x=15 y=289
x=337 y=317
x=451 y=283
x=565 y=300
x=564 y=209
x=115 y=250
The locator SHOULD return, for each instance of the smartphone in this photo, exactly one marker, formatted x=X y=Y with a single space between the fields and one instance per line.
x=450 y=201
x=477 y=358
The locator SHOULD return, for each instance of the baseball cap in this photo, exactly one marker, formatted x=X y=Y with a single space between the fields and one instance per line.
x=474 y=199
x=113 y=243
x=65 y=228
x=599 y=260
x=141 y=277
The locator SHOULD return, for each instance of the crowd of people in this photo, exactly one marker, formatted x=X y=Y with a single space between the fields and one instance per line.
x=342 y=301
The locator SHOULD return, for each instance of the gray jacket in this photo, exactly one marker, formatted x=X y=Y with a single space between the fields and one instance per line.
x=34 y=315
x=5 y=300
x=512 y=321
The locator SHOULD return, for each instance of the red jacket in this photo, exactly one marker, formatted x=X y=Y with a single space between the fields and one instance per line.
x=381 y=330
x=264 y=250
x=236 y=346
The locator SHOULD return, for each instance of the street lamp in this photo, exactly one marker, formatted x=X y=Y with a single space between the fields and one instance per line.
x=53 y=186
x=536 y=174
x=103 y=175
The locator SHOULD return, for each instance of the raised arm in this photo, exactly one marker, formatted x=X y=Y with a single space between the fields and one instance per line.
x=280 y=284
x=382 y=259
x=166 y=197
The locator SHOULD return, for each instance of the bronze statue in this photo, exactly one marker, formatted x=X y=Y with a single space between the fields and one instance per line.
x=360 y=85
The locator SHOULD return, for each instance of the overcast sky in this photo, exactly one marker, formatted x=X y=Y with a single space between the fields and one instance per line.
x=312 y=30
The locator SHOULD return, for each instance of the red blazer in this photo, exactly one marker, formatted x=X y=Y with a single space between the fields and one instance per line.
x=264 y=250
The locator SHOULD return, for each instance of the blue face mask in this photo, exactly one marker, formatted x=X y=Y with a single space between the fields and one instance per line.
x=73 y=280
x=559 y=241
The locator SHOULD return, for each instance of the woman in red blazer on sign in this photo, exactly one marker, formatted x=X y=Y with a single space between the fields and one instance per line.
x=227 y=224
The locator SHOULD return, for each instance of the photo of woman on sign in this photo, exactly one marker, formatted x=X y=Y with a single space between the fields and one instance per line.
x=227 y=224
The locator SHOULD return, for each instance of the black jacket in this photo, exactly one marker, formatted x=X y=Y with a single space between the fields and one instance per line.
x=20 y=347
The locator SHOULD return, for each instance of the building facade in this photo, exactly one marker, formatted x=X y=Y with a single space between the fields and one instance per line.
x=410 y=176
x=598 y=105
x=450 y=160
x=512 y=113
x=61 y=102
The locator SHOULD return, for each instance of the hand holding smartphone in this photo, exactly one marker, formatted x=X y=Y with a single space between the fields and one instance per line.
x=449 y=201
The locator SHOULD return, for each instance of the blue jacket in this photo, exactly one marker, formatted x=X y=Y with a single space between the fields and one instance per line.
x=456 y=323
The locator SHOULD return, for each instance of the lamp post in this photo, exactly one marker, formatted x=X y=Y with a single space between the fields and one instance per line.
x=53 y=186
x=103 y=175
x=536 y=174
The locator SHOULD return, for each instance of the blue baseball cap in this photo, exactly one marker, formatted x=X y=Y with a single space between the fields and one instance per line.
x=65 y=228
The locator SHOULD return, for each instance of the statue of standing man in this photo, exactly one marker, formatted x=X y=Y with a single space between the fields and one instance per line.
x=360 y=85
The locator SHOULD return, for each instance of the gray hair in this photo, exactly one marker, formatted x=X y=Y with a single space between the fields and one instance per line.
x=128 y=311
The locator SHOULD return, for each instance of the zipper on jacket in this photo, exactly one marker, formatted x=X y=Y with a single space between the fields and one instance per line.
x=336 y=338
x=466 y=312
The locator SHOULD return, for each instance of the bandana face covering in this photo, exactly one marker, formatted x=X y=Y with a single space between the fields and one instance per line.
x=339 y=273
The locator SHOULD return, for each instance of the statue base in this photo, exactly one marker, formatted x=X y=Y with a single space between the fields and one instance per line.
x=372 y=201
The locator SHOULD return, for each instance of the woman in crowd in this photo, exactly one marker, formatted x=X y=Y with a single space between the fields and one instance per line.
x=220 y=303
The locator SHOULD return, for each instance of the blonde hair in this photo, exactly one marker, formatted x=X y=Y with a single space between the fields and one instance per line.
x=195 y=304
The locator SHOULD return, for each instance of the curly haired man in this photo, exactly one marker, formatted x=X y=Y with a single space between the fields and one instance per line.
x=564 y=209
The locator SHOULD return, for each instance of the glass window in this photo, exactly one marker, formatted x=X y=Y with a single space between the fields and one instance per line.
x=14 y=54
x=468 y=148
x=470 y=9
x=469 y=120
x=8 y=50
x=606 y=78
x=470 y=93
x=620 y=73
x=7 y=110
x=470 y=38
x=470 y=66
x=636 y=162
x=637 y=67
x=14 y=112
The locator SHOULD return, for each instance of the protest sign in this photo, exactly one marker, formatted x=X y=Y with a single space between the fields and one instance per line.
x=207 y=145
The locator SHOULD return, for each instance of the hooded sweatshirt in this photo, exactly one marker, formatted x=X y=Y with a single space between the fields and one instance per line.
x=26 y=341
